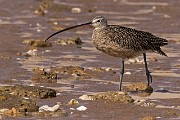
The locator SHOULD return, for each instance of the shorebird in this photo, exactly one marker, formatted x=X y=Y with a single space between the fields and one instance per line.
x=122 y=42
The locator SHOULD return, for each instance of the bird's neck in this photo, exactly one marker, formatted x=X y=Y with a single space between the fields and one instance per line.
x=101 y=27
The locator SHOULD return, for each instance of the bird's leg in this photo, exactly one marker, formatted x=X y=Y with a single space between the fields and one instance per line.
x=121 y=74
x=149 y=77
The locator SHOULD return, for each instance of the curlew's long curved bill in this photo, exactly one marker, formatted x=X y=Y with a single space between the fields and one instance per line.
x=67 y=29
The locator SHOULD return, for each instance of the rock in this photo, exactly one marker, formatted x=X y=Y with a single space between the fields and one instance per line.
x=144 y=103
x=28 y=91
x=86 y=97
x=69 y=71
x=47 y=108
x=80 y=72
x=19 y=104
x=44 y=76
x=82 y=108
x=37 y=43
x=76 y=10
x=154 y=59
x=127 y=73
x=57 y=27
x=134 y=61
x=43 y=6
x=73 y=102
x=70 y=41
x=50 y=114
x=30 y=53
x=139 y=87
x=113 y=96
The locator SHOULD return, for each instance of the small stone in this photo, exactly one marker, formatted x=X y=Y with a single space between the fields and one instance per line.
x=134 y=61
x=108 y=69
x=82 y=108
x=71 y=108
x=14 y=111
x=76 y=10
x=47 y=108
x=113 y=96
x=154 y=59
x=37 y=43
x=85 y=97
x=127 y=73
x=73 y=102
x=139 y=102
x=47 y=51
x=32 y=52
x=58 y=94
x=38 y=30
x=167 y=16
x=57 y=27
x=70 y=41
x=55 y=23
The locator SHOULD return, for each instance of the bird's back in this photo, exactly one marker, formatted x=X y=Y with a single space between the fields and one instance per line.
x=126 y=42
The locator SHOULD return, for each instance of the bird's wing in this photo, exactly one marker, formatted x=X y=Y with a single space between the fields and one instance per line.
x=135 y=40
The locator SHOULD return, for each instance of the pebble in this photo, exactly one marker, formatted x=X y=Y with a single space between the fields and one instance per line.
x=73 y=102
x=31 y=53
x=85 y=97
x=82 y=108
x=58 y=94
x=71 y=108
x=134 y=61
x=76 y=10
x=127 y=73
x=47 y=51
x=47 y=108
x=143 y=103
x=108 y=69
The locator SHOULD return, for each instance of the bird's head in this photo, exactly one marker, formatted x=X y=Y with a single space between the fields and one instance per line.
x=99 y=22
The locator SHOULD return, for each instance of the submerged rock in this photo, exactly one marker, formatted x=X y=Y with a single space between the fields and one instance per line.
x=42 y=76
x=51 y=114
x=28 y=91
x=139 y=87
x=73 y=102
x=43 y=7
x=31 y=53
x=80 y=72
x=37 y=43
x=15 y=104
x=48 y=108
x=70 y=41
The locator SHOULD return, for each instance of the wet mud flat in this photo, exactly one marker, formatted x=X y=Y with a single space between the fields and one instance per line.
x=67 y=78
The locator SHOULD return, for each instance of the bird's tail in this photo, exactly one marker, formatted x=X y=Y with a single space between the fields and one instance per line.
x=161 y=42
x=158 y=44
x=158 y=50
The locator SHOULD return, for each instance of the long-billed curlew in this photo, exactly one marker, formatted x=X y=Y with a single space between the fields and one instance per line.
x=123 y=42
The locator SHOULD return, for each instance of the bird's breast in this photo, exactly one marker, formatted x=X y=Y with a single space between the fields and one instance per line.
x=104 y=43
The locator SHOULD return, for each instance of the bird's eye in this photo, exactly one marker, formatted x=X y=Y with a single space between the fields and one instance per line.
x=99 y=21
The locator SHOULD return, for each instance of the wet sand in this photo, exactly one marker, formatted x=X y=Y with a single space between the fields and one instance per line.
x=19 y=22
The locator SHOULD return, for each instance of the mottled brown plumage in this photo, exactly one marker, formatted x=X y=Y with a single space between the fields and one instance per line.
x=123 y=42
